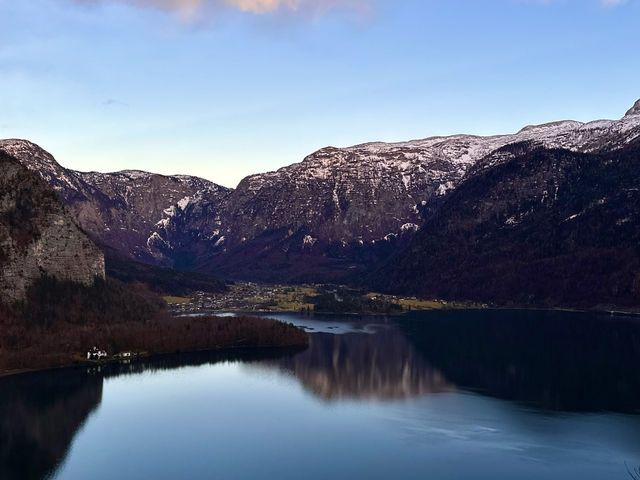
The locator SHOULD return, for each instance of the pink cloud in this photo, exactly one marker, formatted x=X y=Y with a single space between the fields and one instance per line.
x=190 y=8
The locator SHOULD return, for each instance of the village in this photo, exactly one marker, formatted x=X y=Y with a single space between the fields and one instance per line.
x=253 y=297
x=246 y=297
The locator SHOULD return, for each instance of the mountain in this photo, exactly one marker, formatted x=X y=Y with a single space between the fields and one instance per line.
x=130 y=211
x=38 y=236
x=635 y=110
x=368 y=191
x=336 y=216
x=341 y=212
x=542 y=227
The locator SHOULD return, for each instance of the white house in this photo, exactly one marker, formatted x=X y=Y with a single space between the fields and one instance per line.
x=96 y=354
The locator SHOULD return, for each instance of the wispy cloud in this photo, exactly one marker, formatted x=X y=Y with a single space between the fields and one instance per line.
x=190 y=8
x=112 y=102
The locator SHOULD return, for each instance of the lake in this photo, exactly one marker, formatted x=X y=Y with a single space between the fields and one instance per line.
x=432 y=395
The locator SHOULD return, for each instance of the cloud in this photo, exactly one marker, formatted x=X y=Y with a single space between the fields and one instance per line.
x=112 y=102
x=190 y=8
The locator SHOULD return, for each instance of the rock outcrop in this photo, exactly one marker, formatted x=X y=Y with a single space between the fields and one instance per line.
x=37 y=235
x=635 y=110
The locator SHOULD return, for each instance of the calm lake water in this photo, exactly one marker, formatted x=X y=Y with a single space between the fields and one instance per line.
x=440 y=395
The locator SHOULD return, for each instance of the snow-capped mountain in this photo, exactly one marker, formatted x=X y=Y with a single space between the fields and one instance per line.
x=344 y=209
x=339 y=212
x=368 y=191
x=544 y=227
x=130 y=211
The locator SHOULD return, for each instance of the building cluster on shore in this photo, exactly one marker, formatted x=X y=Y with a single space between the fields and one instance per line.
x=244 y=297
x=98 y=354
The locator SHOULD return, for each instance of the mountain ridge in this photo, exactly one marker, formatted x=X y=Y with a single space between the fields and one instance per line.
x=346 y=208
x=545 y=228
x=120 y=209
x=338 y=213
x=635 y=110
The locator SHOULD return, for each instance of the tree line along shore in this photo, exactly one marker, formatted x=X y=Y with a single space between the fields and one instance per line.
x=60 y=321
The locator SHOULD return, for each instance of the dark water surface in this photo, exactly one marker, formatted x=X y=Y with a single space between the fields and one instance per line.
x=439 y=395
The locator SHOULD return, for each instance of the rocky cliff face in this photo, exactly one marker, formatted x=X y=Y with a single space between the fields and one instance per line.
x=37 y=236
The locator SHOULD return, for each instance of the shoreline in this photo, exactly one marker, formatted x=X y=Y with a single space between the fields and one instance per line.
x=123 y=342
x=620 y=313
x=258 y=348
x=256 y=298
x=149 y=356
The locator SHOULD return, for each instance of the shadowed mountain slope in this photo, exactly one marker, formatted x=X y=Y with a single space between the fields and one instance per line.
x=545 y=227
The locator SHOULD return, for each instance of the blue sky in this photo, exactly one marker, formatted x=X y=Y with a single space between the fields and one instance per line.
x=226 y=88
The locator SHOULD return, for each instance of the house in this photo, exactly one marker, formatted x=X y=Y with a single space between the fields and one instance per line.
x=96 y=354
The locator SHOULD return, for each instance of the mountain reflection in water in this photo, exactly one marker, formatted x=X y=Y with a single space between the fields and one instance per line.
x=40 y=413
x=39 y=416
x=553 y=360
x=550 y=360
x=383 y=366
x=561 y=361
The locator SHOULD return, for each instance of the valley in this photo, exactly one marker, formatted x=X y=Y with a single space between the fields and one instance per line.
x=513 y=220
x=546 y=218
x=319 y=240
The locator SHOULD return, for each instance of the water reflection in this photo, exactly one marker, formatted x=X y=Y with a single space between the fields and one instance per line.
x=559 y=361
x=39 y=416
x=553 y=360
x=382 y=366
x=196 y=359
x=40 y=413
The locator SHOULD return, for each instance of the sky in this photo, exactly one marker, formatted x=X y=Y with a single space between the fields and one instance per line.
x=226 y=88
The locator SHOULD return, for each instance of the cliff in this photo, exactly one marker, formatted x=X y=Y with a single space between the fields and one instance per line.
x=37 y=236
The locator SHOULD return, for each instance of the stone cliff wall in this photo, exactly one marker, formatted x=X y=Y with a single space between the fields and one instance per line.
x=37 y=236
